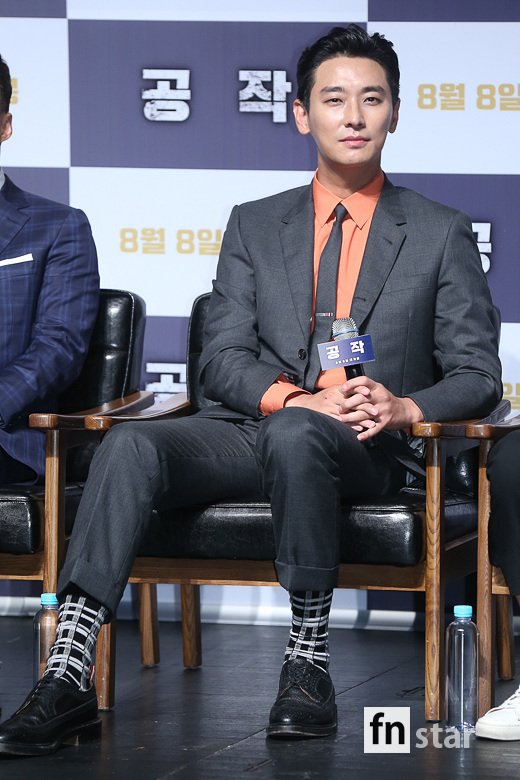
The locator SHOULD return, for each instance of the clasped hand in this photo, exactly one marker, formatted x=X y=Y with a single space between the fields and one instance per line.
x=367 y=406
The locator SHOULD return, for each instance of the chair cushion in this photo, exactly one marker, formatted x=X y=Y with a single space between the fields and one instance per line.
x=385 y=531
x=22 y=517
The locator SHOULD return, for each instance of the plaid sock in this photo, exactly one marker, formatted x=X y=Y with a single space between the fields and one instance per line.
x=80 y=620
x=309 y=637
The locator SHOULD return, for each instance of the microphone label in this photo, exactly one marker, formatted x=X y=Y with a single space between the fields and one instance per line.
x=346 y=352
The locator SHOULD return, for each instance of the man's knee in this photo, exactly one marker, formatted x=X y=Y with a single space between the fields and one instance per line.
x=127 y=443
x=290 y=432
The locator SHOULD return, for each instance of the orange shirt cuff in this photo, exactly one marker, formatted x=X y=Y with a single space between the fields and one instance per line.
x=277 y=394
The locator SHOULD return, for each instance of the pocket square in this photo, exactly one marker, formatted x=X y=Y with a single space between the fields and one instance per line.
x=13 y=260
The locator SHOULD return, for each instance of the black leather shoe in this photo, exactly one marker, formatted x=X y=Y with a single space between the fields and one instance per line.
x=54 y=713
x=305 y=706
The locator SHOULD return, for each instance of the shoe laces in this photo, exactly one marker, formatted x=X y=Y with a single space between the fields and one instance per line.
x=42 y=682
x=299 y=674
x=303 y=675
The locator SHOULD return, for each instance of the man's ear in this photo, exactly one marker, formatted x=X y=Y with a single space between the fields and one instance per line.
x=6 y=127
x=395 y=116
x=301 y=117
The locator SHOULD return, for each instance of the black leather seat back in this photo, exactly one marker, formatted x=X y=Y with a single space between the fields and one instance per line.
x=113 y=365
x=195 y=338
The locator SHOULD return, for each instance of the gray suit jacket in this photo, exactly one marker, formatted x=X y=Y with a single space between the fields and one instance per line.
x=421 y=295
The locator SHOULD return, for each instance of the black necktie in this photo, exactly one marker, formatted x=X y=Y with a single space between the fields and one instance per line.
x=325 y=308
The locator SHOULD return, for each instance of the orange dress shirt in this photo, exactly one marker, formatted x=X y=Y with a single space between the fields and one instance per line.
x=356 y=225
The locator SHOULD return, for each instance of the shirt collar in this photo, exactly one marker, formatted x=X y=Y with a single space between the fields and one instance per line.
x=360 y=205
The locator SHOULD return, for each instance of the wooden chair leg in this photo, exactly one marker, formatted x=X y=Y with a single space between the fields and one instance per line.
x=484 y=589
x=434 y=659
x=106 y=666
x=54 y=534
x=191 y=629
x=504 y=636
x=148 y=624
x=434 y=585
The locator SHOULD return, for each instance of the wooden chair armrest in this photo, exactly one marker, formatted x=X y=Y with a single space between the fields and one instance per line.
x=459 y=428
x=493 y=431
x=76 y=420
x=176 y=405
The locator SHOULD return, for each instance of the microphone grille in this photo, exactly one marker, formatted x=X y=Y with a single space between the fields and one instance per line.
x=344 y=328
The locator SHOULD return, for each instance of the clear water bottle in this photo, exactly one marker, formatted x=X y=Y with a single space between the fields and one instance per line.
x=462 y=641
x=45 y=622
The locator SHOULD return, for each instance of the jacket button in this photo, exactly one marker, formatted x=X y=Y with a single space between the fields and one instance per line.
x=302 y=354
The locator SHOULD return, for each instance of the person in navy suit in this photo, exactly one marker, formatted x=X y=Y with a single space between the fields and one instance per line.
x=49 y=287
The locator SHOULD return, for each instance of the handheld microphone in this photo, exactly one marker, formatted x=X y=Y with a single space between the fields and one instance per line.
x=346 y=328
x=348 y=350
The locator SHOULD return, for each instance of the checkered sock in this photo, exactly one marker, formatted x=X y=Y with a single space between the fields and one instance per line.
x=309 y=637
x=80 y=620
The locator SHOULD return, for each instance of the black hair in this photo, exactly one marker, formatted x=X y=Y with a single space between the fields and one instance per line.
x=5 y=87
x=351 y=41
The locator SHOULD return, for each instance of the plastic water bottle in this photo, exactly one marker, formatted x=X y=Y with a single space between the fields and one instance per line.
x=45 y=622
x=462 y=641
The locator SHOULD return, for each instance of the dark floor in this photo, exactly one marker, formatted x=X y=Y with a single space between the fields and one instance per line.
x=208 y=724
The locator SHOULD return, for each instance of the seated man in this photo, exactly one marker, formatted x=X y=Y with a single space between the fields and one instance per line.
x=503 y=722
x=408 y=271
x=49 y=287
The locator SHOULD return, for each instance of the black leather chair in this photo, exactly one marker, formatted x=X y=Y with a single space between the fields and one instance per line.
x=35 y=520
x=417 y=540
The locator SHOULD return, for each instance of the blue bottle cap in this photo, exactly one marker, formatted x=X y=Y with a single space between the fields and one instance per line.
x=463 y=611
x=49 y=600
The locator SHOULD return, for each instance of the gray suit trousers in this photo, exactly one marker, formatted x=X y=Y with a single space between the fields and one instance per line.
x=504 y=523
x=304 y=462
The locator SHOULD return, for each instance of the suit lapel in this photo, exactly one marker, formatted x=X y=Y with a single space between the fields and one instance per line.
x=12 y=219
x=387 y=233
x=297 y=239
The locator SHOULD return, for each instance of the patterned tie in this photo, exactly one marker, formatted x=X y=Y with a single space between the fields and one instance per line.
x=325 y=309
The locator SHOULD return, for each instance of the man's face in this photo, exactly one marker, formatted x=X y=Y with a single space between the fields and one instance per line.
x=350 y=114
x=6 y=127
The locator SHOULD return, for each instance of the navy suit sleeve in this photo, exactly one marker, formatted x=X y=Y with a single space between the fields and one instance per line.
x=63 y=316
